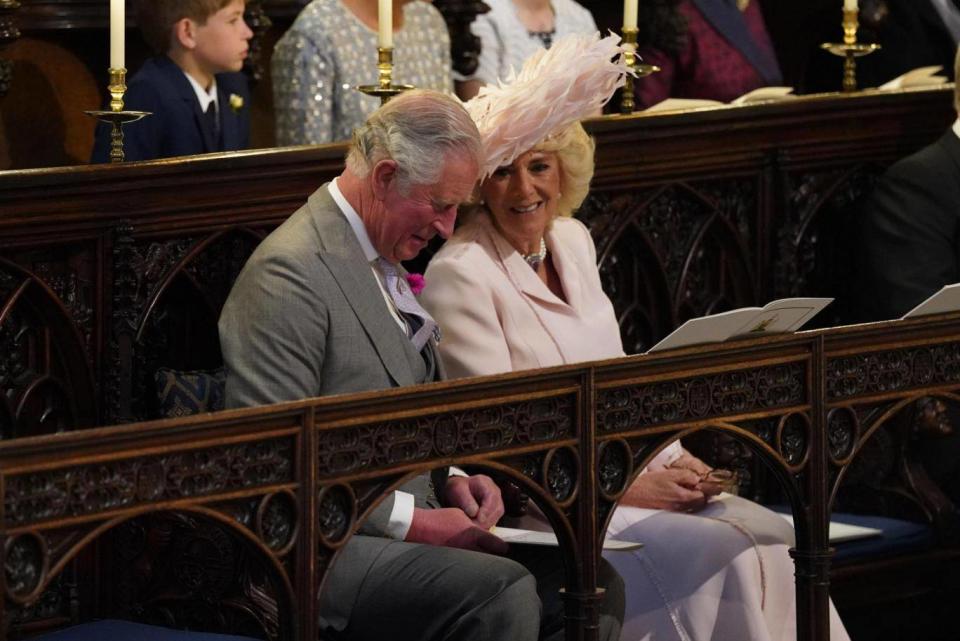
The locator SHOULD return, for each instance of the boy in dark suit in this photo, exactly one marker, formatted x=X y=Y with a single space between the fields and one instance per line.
x=198 y=100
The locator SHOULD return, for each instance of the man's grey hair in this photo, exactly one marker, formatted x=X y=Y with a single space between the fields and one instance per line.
x=417 y=129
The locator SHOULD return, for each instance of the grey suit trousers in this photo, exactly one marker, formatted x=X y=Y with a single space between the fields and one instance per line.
x=456 y=595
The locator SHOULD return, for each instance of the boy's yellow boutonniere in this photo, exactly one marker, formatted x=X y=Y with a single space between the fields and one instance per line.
x=236 y=102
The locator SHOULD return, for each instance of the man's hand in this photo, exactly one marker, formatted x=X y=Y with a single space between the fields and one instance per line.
x=453 y=528
x=478 y=496
x=671 y=489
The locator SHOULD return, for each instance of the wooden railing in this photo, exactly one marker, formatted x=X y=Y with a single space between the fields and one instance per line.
x=285 y=486
x=118 y=270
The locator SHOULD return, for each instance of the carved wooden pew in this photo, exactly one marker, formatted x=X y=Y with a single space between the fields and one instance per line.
x=118 y=270
x=287 y=484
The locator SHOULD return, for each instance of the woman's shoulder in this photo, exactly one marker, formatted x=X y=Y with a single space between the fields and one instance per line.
x=466 y=246
x=571 y=231
x=573 y=8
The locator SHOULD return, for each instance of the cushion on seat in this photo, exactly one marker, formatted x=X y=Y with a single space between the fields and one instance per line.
x=116 y=630
x=184 y=393
x=899 y=537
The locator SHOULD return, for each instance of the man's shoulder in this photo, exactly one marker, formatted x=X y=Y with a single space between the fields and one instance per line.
x=931 y=162
x=154 y=81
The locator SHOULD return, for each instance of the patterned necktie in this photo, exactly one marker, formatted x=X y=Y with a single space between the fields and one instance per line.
x=421 y=323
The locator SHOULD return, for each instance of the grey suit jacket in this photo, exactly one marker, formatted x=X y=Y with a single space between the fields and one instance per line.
x=307 y=318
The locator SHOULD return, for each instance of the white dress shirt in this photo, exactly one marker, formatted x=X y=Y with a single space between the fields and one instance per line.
x=401 y=517
x=205 y=97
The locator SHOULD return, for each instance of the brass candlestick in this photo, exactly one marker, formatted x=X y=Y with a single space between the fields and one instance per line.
x=384 y=89
x=850 y=49
x=116 y=116
x=639 y=68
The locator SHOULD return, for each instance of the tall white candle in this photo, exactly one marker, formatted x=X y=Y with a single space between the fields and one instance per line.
x=629 y=14
x=117 y=27
x=386 y=24
x=850 y=5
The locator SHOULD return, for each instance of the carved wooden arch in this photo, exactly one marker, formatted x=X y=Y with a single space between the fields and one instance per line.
x=48 y=380
x=917 y=490
x=44 y=558
x=645 y=449
x=180 y=267
x=817 y=233
x=168 y=296
x=343 y=507
x=736 y=281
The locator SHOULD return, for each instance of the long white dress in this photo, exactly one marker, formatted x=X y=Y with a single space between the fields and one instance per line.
x=721 y=574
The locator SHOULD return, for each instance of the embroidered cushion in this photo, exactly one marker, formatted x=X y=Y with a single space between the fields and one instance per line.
x=184 y=393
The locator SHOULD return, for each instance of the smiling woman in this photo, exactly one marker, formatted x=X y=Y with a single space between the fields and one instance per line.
x=713 y=566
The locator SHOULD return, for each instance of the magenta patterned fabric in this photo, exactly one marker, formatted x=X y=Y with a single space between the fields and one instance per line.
x=709 y=65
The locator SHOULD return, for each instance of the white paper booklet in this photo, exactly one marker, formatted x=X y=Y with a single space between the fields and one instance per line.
x=919 y=77
x=840 y=532
x=945 y=300
x=779 y=316
x=533 y=537
x=757 y=95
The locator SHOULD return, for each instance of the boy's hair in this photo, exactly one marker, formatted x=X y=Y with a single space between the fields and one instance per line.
x=157 y=17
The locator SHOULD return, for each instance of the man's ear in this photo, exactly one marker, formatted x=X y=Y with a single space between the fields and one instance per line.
x=383 y=175
x=185 y=33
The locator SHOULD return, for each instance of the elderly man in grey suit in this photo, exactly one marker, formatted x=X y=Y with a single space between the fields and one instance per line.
x=321 y=308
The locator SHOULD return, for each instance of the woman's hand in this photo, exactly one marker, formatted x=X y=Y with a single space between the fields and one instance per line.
x=688 y=461
x=673 y=489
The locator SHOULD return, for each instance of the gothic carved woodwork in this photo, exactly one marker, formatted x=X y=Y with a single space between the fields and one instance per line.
x=46 y=380
x=816 y=237
x=204 y=517
x=673 y=253
x=464 y=46
x=258 y=21
x=182 y=571
x=8 y=33
x=167 y=301
x=626 y=409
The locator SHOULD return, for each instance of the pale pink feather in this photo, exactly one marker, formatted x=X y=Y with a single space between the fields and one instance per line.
x=556 y=87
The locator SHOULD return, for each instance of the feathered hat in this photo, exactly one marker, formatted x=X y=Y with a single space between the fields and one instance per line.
x=555 y=88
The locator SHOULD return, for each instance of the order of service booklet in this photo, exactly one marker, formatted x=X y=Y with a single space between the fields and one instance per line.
x=945 y=300
x=780 y=316
x=536 y=537
x=763 y=94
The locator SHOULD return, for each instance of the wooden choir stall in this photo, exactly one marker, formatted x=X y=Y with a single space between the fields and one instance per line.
x=112 y=279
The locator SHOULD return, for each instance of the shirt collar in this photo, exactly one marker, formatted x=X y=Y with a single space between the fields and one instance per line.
x=356 y=223
x=205 y=97
x=956 y=128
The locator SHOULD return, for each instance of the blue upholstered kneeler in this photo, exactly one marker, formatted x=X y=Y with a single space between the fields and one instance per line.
x=115 y=630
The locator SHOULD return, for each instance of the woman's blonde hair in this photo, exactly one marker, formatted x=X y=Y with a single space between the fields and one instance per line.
x=574 y=149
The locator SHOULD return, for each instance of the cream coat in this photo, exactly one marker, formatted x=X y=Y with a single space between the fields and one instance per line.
x=498 y=316
x=721 y=574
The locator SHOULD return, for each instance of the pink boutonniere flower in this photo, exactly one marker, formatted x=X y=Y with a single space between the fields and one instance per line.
x=416 y=282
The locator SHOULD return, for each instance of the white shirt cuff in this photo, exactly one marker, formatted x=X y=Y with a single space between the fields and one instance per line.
x=401 y=516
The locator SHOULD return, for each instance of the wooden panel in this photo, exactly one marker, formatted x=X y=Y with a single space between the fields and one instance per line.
x=692 y=214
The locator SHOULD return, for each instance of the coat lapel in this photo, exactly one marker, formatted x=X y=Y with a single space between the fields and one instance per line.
x=729 y=21
x=185 y=90
x=343 y=256
x=229 y=121
x=518 y=271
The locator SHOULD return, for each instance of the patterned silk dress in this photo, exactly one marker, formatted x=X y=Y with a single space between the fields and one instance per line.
x=328 y=52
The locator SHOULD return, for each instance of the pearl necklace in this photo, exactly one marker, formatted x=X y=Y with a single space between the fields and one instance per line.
x=536 y=258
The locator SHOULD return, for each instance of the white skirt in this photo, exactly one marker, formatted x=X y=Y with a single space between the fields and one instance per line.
x=721 y=574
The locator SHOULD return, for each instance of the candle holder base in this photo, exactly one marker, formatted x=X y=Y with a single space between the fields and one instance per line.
x=850 y=52
x=384 y=93
x=117 y=119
